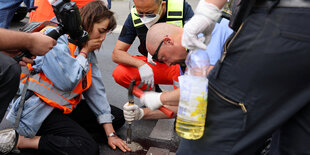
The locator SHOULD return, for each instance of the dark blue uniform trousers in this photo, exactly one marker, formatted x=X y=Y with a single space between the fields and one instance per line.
x=262 y=87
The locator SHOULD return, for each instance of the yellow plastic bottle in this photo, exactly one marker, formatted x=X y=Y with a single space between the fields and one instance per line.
x=193 y=97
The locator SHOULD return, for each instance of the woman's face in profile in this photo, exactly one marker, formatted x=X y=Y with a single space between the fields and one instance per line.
x=100 y=30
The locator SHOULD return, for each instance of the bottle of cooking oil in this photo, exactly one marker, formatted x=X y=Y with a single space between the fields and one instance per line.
x=193 y=96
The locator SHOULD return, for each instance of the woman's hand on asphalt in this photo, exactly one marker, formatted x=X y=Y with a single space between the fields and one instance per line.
x=117 y=142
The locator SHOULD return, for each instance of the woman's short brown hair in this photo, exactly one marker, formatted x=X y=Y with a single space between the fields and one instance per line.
x=95 y=12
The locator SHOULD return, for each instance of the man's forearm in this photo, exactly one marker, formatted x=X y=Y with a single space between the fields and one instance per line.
x=122 y=57
x=13 y=39
x=171 y=97
x=157 y=114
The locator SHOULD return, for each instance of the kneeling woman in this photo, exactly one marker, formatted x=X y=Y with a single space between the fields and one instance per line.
x=64 y=75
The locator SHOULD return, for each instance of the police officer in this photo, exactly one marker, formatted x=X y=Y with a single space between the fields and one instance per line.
x=261 y=84
x=143 y=68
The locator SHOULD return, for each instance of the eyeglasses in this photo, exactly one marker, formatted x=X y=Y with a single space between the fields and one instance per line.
x=154 y=57
x=148 y=15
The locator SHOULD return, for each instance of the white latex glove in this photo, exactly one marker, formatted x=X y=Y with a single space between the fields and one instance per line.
x=147 y=75
x=149 y=59
x=151 y=100
x=203 y=21
x=132 y=112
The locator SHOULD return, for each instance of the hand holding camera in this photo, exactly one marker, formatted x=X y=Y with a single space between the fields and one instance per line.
x=68 y=16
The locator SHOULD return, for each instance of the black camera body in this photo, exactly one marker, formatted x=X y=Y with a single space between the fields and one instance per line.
x=68 y=16
x=69 y=22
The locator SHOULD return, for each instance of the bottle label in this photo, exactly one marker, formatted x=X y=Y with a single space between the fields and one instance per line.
x=193 y=98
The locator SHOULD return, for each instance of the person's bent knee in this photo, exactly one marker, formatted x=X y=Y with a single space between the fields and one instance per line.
x=122 y=76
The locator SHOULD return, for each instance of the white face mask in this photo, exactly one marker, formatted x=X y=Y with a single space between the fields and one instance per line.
x=148 y=22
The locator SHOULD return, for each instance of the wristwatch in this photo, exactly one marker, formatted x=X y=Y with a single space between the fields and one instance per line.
x=113 y=134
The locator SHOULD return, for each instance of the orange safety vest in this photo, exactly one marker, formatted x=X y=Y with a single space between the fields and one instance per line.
x=46 y=91
x=45 y=10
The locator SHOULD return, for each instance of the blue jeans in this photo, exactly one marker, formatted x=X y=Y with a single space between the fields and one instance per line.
x=8 y=8
x=109 y=4
x=262 y=87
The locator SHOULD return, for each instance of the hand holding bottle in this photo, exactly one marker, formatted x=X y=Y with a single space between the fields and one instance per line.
x=206 y=15
x=193 y=96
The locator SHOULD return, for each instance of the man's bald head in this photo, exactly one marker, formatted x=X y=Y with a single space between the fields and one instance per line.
x=157 y=33
x=170 y=50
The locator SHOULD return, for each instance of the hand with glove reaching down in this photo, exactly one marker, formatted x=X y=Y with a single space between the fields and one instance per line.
x=147 y=75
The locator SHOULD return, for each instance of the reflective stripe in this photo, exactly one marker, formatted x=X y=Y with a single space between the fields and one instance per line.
x=174 y=14
x=66 y=94
x=176 y=83
x=178 y=23
x=47 y=90
x=175 y=9
x=135 y=20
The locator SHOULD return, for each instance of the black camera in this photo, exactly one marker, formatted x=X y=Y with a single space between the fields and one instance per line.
x=68 y=16
x=69 y=22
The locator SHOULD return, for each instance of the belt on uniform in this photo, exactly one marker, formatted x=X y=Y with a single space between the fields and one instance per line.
x=287 y=4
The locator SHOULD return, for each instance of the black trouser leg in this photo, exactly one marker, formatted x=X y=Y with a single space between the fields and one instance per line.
x=293 y=136
x=87 y=119
x=61 y=135
x=9 y=81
